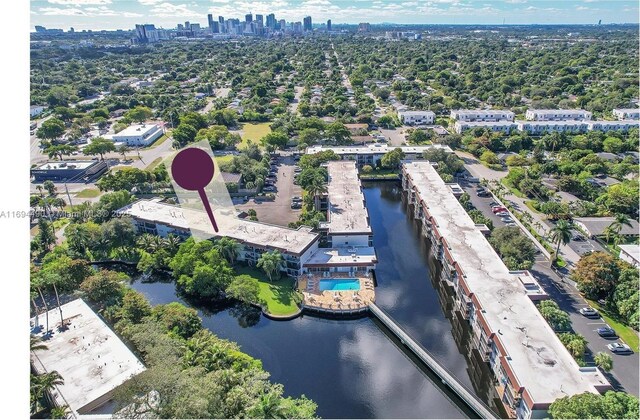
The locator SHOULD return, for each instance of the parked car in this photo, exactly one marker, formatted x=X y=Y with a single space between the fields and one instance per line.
x=296 y=205
x=589 y=312
x=494 y=204
x=296 y=198
x=507 y=219
x=480 y=189
x=269 y=188
x=297 y=170
x=498 y=209
x=483 y=194
x=579 y=238
x=512 y=224
x=619 y=348
x=502 y=214
x=606 y=331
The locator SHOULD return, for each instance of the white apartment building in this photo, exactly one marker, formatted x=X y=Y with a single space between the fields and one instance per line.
x=630 y=254
x=139 y=134
x=372 y=153
x=542 y=127
x=626 y=113
x=503 y=126
x=417 y=117
x=482 y=115
x=621 y=125
x=557 y=114
x=531 y=366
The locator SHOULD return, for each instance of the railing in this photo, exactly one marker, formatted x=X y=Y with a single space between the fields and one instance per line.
x=465 y=394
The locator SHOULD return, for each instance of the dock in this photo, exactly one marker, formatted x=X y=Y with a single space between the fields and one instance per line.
x=466 y=395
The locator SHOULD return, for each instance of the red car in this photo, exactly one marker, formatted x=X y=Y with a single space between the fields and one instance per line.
x=498 y=209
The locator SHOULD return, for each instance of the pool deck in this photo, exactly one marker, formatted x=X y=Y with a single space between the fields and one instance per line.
x=347 y=302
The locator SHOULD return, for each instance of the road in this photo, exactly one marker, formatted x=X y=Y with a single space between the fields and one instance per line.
x=345 y=80
x=278 y=212
x=539 y=223
x=293 y=106
x=624 y=375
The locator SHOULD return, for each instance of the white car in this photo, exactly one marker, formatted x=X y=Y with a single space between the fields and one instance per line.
x=502 y=214
x=506 y=219
x=619 y=348
x=588 y=312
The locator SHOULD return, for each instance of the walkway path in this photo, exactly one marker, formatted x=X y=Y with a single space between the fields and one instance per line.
x=448 y=379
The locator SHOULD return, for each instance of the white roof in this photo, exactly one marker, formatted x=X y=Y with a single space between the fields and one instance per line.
x=552 y=123
x=347 y=212
x=246 y=231
x=614 y=123
x=626 y=110
x=338 y=256
x=481 y=111
x=533 y=348
x=486 y=123
x=632 y=250
x=415 y=113
x=66 y=164
x=376 y=148
x=135 y=130
x=558 y=111
x=88 y=355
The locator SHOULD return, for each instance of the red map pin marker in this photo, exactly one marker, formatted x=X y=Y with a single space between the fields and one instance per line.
x=193 y=169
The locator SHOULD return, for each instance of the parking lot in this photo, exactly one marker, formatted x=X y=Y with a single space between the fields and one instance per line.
x=625 y=367
x=278 y=211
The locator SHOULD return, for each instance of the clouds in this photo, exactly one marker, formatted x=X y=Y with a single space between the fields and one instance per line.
x=78 y=2
x=91 y=11
x=167 y=9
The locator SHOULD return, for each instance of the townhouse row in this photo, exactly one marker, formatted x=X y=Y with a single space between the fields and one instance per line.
x=540 y=127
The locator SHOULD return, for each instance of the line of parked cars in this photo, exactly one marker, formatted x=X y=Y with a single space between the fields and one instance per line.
x=606 y=332
x=272 y=177
x=296 y=203
x=503 y=213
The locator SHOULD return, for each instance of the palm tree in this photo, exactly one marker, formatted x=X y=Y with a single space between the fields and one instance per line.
x=172 y=242
x=603 y=361
x=53 y=279
x=560 y=234
x=228 y=248
x=268 y=407
x=270 y=263
x=123 y=149
x=146 y=242
x=36 y=343
x=43 y=384
x=316 y=188
x=36 y=282
x=33 y=295
x=619 y=222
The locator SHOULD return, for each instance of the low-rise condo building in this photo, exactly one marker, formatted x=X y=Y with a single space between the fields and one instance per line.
x=622 y=125
x=469 y=115
x=89 y=356
x=531 y=366
x=372 y=153
x=626 y=113
x=69 y=170
x=503 y=126
x=417 y=117
x=557 y=114
x=538 y=127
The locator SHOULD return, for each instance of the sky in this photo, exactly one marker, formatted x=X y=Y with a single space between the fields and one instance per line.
x=124 y=14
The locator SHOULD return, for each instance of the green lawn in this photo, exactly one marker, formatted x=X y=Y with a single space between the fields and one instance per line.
x=529 y=204
x=279 y=294
x=627 y=334
x=88 y=193
x=60 y=223
x=512 y=189
x=253 y=132
x=153 y=164
x=224 y=159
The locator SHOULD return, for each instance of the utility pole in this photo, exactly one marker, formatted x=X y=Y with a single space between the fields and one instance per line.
x=67 y=191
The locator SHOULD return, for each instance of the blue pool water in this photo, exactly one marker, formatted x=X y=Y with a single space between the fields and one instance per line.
x=339 y=284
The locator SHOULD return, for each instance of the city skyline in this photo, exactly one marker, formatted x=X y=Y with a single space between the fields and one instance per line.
x=123 y=14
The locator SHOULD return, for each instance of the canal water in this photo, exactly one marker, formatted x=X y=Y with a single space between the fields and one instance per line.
x=351 y=368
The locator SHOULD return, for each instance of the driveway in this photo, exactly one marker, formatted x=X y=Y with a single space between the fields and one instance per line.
x=394 y=136
x=625 y=367
x=279 y=211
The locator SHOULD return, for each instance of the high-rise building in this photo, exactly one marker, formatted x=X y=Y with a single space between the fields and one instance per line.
x=187 y=26
x=195 y=27
x=210 y=21
x=71 y=30
x=215 y=27
x=180 y=27
x=42 y=29
x=307 y=24
x=260 y=19
x=364 y=27
x=329 y=25
x=282 y=24
x=297 y=27
x=248 y=18
x=143 y=32
x=271 y=21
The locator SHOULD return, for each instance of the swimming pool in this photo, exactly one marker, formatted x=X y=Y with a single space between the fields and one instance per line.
x=337 y=285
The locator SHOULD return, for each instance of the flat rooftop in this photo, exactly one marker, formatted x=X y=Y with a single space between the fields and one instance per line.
x=136 y=130
x=553 y=123
x=376 y=149
x=343 y=256
x=487 y=123
x=558 y=111
x=66 y=165
x=347 y=213
x=533 y=349
x=415 y=112
x=598 y=225
x=89 y=356
x=482 y=111
x=246 y=231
